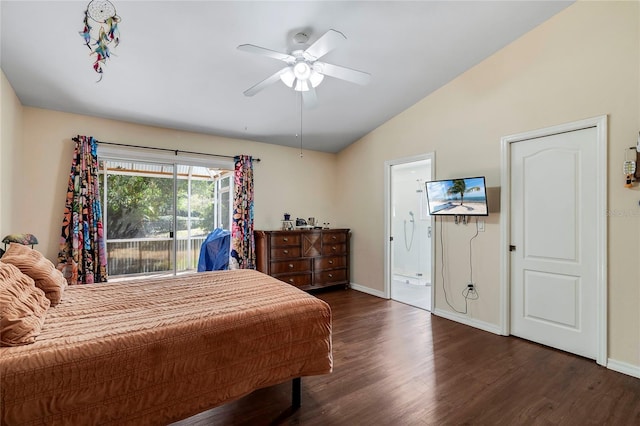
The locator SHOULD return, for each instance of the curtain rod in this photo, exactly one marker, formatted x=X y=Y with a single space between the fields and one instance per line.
x=175 y=151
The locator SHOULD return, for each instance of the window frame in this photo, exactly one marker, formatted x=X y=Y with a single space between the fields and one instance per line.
x=130 y=154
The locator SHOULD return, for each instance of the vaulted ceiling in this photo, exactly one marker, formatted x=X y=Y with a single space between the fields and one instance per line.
x=177 y=64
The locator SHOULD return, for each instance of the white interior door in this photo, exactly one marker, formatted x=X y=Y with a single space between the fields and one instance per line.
x=554 y=257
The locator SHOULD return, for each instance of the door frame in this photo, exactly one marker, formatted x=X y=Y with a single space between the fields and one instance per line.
x=388 y=272
x=600 y=123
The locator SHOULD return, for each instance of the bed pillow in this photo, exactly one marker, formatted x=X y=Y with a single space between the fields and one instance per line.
x=23 y=307
x=32 y=263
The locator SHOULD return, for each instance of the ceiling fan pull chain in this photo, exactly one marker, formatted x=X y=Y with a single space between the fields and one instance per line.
x=300 y=124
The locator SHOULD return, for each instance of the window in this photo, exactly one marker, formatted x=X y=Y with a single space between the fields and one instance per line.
x=157 y=214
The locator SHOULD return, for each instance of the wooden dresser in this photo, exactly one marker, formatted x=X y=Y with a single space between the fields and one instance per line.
x=307 y=259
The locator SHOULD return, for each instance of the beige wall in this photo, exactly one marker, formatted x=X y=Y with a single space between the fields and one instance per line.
x=584 y=62
x=10 y=143
x=283 y=181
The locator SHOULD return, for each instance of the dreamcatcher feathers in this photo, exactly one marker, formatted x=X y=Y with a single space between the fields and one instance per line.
x=104 y=34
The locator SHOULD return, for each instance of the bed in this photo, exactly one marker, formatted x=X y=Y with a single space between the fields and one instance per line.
x=161 y=350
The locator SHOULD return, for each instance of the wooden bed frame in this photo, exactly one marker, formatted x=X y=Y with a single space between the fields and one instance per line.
x=162 y=350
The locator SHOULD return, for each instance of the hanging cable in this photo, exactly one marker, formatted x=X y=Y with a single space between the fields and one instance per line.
x=470 y=292
x=470 y=253
x=444 y=287
x=413 y=229
x=300 y=124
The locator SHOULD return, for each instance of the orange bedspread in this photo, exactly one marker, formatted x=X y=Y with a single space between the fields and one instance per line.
x=157 y=351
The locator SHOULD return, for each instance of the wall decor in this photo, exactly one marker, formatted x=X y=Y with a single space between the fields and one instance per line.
x=100 y=31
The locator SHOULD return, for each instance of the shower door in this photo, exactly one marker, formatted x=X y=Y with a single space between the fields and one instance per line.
x=410 y=233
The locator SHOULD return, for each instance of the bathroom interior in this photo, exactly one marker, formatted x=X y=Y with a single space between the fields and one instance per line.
x=411 y=230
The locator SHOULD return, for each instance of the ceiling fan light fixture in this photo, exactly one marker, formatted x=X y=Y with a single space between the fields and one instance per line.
x=288 y=77
x=291 y=79
x=315 y=78
x=301 y=86
x=302 y=71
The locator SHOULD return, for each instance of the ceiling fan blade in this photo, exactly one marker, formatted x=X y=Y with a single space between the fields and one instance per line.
x=266 y=52
x=264 y=83
x=310 y=98
x=343 y=73
x=329 y=41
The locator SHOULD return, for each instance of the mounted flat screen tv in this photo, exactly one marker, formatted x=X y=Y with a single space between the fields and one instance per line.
x=458 y=197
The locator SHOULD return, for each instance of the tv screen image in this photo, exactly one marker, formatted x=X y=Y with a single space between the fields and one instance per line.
x=458 y=197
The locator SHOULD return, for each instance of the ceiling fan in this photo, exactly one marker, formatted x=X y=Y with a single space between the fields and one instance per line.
x=304 y=72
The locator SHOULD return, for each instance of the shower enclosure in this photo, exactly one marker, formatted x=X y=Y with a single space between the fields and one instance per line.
x=411 y=234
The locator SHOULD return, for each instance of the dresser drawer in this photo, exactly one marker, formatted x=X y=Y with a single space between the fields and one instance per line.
x=289 y=266
x=328 y=277
x=299 y=280
x=337 y=248
x=329 y=262
x=285 y=253
x=334 y=237
x=285 y=239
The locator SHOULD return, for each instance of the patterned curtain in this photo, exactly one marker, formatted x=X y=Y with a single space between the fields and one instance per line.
x=83 y=257
x=243 y=253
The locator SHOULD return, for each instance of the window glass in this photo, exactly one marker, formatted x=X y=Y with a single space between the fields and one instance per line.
x=138 y=206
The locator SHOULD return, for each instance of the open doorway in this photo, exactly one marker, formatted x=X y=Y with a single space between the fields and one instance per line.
x=409 y=251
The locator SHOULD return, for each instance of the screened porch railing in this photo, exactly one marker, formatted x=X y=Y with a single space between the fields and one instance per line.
x=152 y=255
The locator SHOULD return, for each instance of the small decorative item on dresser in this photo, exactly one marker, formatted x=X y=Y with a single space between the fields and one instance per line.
x=326 y=225
x=287 y=225
x=287 y=216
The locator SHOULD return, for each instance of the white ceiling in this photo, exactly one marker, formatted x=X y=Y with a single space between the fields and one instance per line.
x=177 y=65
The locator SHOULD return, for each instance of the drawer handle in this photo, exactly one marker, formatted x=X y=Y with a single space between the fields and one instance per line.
x=285 y=239
x=330 y=275
x=291 y=266
x=334 y=248
x=290 y=280
x=285 y=251
x=333 y=237
x=331 y=262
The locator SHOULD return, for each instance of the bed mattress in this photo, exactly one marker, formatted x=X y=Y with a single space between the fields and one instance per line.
x=156 y=351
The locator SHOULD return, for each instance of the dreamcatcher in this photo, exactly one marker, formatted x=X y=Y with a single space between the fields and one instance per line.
x=100 y=31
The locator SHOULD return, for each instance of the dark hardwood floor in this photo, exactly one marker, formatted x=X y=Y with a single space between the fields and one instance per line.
x=398 y=365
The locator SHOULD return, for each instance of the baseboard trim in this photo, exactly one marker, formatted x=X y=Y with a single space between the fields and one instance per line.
x=371 y=291
x=472 y=322
x=624 y=368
